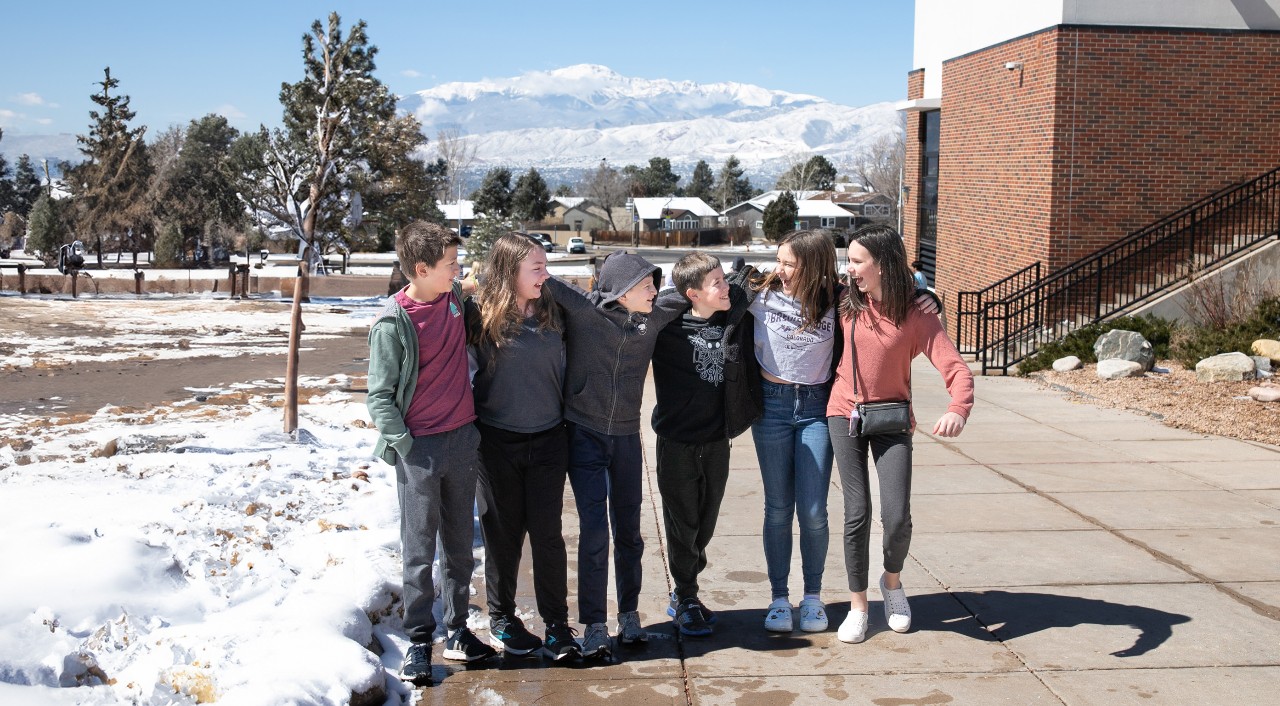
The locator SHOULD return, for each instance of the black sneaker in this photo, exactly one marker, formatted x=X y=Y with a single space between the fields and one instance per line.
x=690 y=620
x=560 y=642
x=707 y=615
x=510 y=635
x=417 y=664
x=463 y=646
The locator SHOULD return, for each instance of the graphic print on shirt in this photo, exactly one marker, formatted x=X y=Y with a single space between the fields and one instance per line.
x=787 y=326
x=708 y=353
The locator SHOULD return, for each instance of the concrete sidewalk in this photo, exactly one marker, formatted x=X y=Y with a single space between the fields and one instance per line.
x=1062 y=554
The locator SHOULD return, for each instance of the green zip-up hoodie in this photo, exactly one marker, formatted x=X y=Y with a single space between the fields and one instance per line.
x=393 y=377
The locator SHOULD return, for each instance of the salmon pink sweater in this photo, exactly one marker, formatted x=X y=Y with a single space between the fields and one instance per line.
x=885 y=353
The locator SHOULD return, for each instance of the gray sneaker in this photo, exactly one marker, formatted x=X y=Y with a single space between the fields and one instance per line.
x=597 y=643
x=629 y=630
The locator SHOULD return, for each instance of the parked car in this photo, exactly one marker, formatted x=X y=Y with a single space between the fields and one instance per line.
x=577 y=245
x=546 y=241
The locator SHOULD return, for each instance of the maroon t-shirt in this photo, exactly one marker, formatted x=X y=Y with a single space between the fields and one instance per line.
x=442 y=401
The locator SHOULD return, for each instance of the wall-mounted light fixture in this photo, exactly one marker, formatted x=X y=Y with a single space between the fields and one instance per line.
x=1012 y=65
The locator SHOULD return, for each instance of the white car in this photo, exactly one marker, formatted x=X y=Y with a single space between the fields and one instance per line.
x=577 y=245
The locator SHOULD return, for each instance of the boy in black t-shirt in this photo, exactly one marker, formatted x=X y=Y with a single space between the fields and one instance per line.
x=708 y=389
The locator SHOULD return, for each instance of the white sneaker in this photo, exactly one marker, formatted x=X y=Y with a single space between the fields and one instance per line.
x=897 y=611
x=854 y=627
x=813 y=615
x=779 y=617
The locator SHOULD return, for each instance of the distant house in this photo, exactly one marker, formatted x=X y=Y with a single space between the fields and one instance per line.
x=584 y=216
x=750 y=213
x=867 y=206
x=674 y=213
x=561 y=204
x=460 y=215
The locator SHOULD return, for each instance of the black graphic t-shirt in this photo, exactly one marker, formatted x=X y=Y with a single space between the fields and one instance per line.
x=688 y=376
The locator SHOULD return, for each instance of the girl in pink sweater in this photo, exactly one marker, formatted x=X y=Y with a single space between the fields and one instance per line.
x=885 y=333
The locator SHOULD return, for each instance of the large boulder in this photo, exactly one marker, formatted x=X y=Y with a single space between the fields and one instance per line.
x=1114 y=369
x=1269 y=348
x=1119 y=344
x=1067 y=364
x=1227 y=367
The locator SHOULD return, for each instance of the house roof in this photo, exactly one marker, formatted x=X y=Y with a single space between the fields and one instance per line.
x=461 y=210
x=650 y=208
x=855 y=199
x=812 y=208
x=568 y=201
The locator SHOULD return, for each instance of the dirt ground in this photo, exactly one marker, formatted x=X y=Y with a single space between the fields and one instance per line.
x=1178 y=399
x=50 y=387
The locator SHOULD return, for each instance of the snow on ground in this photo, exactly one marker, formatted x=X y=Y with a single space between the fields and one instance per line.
x=194 y=552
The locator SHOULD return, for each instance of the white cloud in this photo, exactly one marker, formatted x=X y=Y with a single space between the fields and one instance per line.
x=8 y=114
x=30 y=99
x=230 y=112
x=410 y=73
x=44 y=121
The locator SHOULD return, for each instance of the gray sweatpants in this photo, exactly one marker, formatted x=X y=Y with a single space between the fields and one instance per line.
x=892 y=454
x=436 y=486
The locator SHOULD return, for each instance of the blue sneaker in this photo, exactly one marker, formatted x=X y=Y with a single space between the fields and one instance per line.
x=707 y=615
x=690 y=620
x=510 y=635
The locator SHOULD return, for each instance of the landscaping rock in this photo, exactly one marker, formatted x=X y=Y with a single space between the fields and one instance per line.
x=1269 y=348
x=1119 y=344
x=1114 y=369
x=1261 y=363
x=1071 y=362
x=1227 y=367
x=1265 y=394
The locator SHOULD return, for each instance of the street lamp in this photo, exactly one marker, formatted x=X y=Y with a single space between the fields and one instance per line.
x=635 y=222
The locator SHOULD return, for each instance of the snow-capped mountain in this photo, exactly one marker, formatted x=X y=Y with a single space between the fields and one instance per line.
x=575 y=116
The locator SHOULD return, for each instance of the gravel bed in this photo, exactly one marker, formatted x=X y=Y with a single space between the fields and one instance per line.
x=1177 y=399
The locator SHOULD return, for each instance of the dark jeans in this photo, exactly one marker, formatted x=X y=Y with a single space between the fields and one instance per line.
x=436 y=487
x=605 y=472
x=691 y=479
x=892 y=454
x=521 y=491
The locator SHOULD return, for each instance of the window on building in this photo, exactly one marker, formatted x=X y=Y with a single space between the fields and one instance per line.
x=828 y=222
x=759 y=225
x=876 y=210
x=742 y=222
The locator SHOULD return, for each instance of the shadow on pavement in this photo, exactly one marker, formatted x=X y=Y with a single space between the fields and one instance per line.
x=1019 y=614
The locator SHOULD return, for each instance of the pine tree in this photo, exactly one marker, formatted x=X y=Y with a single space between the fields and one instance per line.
x=109 y=189
x=493 y=198
x=395 y=186
x=701 y=183
x=194 y=184
x=657 y=179
x=169 y=245
x=330 y=118
x=731 y=186
x=484 y=233
x=7 y=195
x=817 y=172
x=46 y=231
x=530 y=202
x=26 y=186
x=780 y=216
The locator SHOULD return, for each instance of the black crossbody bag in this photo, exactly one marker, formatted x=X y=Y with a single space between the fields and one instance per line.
x=889 y=417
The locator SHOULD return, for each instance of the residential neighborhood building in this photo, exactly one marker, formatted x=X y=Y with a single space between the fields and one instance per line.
x=459 y=215
x=1044 y=130
x=673 y=213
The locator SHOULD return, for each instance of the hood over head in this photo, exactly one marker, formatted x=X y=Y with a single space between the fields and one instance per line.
x=620 y=272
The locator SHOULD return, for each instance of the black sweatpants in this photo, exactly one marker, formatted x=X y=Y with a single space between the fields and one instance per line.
x=521 y=491
x=691 y=479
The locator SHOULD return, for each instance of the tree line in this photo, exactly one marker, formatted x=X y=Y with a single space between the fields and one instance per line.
x=343 y=171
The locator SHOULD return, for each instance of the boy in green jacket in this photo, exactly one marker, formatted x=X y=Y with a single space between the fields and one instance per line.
x=420 y=400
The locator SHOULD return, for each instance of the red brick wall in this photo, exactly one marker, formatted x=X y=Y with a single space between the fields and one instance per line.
x=1102 y=131
x=1151 y=120
x=911 y=167
x=995 y=163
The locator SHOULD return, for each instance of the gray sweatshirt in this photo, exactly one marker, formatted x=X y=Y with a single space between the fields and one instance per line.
x=609 y=348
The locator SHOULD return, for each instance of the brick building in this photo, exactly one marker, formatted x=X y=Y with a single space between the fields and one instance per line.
x=1043 y=130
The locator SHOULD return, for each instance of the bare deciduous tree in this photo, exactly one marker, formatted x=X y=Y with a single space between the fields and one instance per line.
x=880 y=167
x=606 y=188
x=458 y=154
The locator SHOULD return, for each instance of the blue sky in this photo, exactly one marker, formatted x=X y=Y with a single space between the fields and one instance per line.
x=179 y=60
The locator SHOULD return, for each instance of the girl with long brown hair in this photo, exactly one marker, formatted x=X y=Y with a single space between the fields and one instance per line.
x=885 y=332
x=516 y=332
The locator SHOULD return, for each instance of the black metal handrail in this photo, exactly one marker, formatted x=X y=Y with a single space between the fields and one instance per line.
x=1137 y=268
x=969 y=306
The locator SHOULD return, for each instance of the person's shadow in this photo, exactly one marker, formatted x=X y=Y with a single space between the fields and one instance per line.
x=1023 y=613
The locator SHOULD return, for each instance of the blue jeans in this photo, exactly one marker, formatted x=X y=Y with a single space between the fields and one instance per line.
x=794 y=451
x=606 y=474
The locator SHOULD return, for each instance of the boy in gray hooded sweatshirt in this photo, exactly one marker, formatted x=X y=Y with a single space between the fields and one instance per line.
x=612 y=333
